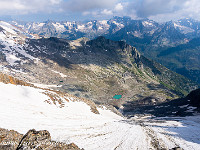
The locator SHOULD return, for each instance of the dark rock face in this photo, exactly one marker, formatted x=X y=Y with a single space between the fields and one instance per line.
x=186 y=106
x=1 y=29
x=194 y=98
x=176 y=148
x=38 y=140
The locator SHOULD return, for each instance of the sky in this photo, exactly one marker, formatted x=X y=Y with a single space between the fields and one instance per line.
x=74 y=10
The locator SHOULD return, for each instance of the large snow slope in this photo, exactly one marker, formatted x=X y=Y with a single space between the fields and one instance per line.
x=23 y=108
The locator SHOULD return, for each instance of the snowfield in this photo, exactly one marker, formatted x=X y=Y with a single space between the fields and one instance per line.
x=23 y=108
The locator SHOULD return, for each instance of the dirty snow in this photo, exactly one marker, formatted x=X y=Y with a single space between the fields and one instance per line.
x=81 y=27
x=177 y=132
x=184 y=29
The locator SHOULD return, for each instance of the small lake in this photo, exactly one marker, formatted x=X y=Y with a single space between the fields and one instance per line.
x=117 y=96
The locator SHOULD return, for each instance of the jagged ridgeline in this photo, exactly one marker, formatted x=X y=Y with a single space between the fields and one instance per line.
x=99 y=69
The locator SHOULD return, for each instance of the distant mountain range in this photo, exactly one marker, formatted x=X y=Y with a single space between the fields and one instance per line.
x=135 y=32
x=117 y=27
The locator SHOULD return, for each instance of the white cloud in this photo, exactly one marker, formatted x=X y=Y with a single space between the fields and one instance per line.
x=106 y=12
x=146 y=8
x=85 y=13
x=163 y=9
x=56 y=1
x=153 y=9
x=17 y=7
x=88 y=5
x=119 y=7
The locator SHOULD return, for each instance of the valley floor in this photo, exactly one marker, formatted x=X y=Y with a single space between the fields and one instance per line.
x=23 y=108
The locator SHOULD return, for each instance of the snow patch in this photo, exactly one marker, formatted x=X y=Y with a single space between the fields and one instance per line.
x=11 y=59
x=6 y=26
x=59 y=27
x=146 y=23
x=61 y=74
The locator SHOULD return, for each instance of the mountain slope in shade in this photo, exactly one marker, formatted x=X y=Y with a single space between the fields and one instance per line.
x=184 y=59
x=146 y=35
x=187 y=106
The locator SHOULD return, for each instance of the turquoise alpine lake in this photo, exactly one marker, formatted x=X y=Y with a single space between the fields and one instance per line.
x=117 y=96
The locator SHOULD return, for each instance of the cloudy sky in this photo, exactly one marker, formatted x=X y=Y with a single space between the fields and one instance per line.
x=41 y=10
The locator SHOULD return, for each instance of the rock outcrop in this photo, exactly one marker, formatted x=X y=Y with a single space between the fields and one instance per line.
x=38 y=140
